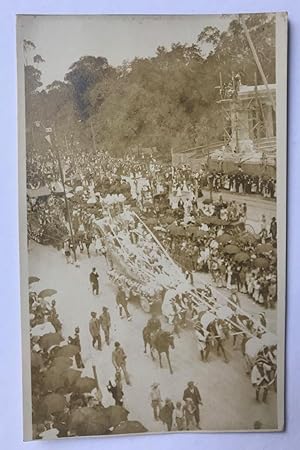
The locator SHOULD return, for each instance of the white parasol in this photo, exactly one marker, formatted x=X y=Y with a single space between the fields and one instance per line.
x=207 y=318
x=44 y=328
x=253 y=346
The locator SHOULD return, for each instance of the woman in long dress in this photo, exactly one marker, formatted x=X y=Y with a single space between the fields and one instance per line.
x=229 y=276
x=256 y=290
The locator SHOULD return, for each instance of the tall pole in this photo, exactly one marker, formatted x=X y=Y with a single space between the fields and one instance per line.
x=93 y=137
x=55 y=148
x=257 y=61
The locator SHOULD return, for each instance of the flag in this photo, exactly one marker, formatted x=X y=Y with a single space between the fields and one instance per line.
x=48 y=139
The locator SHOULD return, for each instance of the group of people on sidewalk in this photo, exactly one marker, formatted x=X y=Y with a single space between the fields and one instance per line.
x=185 y=415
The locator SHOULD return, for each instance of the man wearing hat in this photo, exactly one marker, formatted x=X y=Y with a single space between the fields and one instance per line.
x=155 y=400
x=76 y=341
x=193 y=392
x=105 y=323
x=94 y=327
x=234 y=300
x=119 y=360
x=94 y=281
x=260 y=378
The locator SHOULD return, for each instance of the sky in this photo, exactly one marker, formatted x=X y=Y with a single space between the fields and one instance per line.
x=62 y=40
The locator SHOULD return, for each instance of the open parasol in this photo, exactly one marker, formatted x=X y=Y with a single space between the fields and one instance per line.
x=261 y=263
x=68 y=350
x=116 y=414
x=269 y=339
x=130 y=426
x=50 y=339
x=231 y=249
x=264 y=248
x=54 y=403
x=85 y=384
x=62 y=362
x=241 y=257
x=33 y=279
x=88 y=421
x=42 y=329
x=207 y=318
x=224 y=238
x=253 y=346
x=47 y=293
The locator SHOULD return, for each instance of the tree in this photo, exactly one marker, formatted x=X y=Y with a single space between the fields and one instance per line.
x=82 y=76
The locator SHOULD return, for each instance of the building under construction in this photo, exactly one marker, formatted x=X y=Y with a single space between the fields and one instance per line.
x=249 y=132
x=249 y=127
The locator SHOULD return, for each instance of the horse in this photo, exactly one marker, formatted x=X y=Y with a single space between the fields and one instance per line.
x=161 y=341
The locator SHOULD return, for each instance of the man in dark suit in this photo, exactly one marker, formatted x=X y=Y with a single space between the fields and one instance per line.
x=193 y=392
x=94 y=281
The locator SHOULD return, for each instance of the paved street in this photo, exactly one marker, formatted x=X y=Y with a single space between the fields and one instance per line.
x=228 y=397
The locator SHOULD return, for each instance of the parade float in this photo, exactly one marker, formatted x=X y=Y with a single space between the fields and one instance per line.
x=139 y=263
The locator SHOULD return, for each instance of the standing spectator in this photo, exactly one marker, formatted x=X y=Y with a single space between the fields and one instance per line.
x=179 y=416
x=166 y=414
x=273 y=228
x=94 y=281
x=155 y=400
x=105 y=323
x=119 y=361
x=94 y=327
x=234 y=300
x=122 y=303
x=76 y=341
x=189 y=412
x=260 y=378
x=193 y=392
x=116 y=390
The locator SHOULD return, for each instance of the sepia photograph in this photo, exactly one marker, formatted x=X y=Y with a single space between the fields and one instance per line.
x=152 y=208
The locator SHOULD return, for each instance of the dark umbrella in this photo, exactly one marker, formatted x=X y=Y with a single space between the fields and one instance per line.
x=167 y=220
x=264 y=248
x=204 y=219
x=56 y=378
x=32 y=280
x=47 y=293
x=192 y=230
x=36 y=359
x=151 y=221
x=88 y=421
x=129 y=426
x=262 y=263
x=224 y=238
x=68 y=350
x=85 y=384
x=62 y=362
x=231 y=249
x=216 y=221
x=241 y=257
x=50 y=339
x=116 y=414
x=172 y=227
x=207 y=201
x=55 y=403
x=249 y=238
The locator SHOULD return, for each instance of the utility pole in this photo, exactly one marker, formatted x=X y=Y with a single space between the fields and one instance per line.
x=257 y=61
x=93 y=137
x=54 y=147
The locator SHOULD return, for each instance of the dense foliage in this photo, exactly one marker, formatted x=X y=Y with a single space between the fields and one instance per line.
x=164 y=101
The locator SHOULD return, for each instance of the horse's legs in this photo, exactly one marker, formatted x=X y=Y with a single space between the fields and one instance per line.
x=168 y=358
x=159 y=354
x=151 y=351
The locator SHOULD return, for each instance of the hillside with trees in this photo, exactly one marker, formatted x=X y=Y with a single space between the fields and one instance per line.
x=164 y=101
